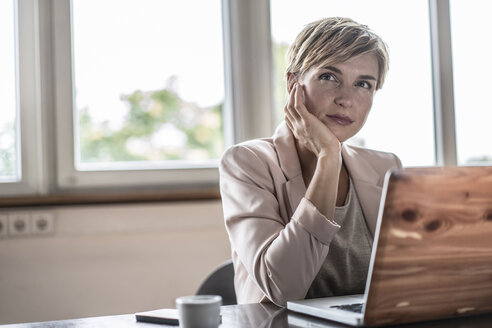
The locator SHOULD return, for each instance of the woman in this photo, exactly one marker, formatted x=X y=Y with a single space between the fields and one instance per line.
x=301 y=207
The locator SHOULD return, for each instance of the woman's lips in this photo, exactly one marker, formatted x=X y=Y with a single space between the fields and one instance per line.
x=341 y=119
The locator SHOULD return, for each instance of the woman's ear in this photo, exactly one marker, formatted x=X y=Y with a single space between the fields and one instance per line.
x=291 y=80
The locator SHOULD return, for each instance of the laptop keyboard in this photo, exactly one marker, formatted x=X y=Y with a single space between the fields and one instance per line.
x=356 y=307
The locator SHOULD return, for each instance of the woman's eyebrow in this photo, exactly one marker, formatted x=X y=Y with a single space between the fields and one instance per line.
x=334 y=69
x=367 y=77
x=362 y=77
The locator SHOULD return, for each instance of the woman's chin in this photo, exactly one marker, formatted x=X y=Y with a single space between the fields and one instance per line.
x=342 y=132
x=342 y=136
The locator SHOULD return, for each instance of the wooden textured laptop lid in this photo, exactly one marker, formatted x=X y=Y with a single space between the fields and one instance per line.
x=434 y=254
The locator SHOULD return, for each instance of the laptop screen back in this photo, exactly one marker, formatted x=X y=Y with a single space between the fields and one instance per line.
x=434 y=254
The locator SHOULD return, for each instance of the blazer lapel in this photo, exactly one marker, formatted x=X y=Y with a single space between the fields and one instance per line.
x=294 y=187
x=367 y=183
x=295 y=190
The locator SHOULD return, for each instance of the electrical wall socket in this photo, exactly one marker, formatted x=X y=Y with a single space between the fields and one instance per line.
x=42 y=223
x=19 y=224
x=27 y=223
x=4 y=226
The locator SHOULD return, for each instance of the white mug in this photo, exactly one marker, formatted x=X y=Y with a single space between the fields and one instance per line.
x=199 y=311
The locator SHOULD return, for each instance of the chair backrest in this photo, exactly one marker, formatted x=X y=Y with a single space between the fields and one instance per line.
x=220 y=282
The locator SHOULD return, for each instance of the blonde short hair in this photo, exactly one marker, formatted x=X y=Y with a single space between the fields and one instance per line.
x=335 y=40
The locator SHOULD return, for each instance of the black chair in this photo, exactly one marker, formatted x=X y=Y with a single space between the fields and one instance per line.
x=220 y=282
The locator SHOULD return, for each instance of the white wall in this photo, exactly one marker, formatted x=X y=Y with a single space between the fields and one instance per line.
x=110 y=259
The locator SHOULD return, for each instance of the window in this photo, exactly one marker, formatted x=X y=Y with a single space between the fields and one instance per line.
x=401 y=119
x=148 y=84
x=147 y=92
x=9 y=133
x=472 y=51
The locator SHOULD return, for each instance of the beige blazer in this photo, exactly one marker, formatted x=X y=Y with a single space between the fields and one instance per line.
x=279 y=239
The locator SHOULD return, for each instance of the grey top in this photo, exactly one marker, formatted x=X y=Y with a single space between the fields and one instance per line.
x=344 y=271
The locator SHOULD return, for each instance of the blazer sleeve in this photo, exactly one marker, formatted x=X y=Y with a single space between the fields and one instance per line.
x=282 y=256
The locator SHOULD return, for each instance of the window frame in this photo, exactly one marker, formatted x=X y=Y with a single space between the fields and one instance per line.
x=67 y=176
x=443 y=85
x=27 y=99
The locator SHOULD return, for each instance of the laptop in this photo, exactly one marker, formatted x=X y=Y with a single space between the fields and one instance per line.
x=432 y=252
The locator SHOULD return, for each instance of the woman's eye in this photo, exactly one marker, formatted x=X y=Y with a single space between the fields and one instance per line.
x=365 y=85
x=327 y=77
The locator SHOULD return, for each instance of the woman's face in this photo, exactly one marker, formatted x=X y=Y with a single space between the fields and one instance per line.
x=341 y=95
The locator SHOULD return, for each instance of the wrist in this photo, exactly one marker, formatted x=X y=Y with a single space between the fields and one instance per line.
x=329 y=160
x=332 y=150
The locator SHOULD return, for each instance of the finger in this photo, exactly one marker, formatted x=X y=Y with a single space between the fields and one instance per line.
x=299 y=101
x=290 y=106
x=290 y=125
x=292 y=94
x=290 y=116
x=292 y=112
x=288 y=122
x=292 y=98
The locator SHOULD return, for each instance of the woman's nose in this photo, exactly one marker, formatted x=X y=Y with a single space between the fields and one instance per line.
x=344 y=96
